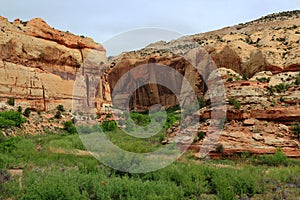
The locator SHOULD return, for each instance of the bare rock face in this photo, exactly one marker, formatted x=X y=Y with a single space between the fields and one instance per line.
x=38 y=64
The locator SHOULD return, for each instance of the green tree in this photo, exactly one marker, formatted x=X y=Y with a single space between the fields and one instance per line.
x=11 y=101
x=58 y=115
x=11 y=118
x=61 y=108
x=20 y=109
x=69 y=127
x=27 y=112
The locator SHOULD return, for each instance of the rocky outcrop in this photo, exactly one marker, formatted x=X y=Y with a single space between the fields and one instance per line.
x=260 y=68
x=150 y=94
x=39 y=64
x=262 y=45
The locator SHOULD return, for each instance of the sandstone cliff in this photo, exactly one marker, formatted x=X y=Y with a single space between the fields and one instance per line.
x=260 y=67
x=268 y=44
x=38 y=64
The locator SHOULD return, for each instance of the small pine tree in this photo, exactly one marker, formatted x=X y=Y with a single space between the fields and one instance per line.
x=57 y=115
x=11 y=101
x=27 y=112
x=61 y=108
x=20 y=109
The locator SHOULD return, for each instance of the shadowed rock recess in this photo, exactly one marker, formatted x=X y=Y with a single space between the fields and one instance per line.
x=258 y=61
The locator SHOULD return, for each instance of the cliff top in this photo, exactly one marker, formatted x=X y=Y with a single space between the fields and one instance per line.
x=37 y=27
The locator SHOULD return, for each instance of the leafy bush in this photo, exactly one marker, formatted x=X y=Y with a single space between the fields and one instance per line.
x=140 y=119
x=61 y=108
x=8 y=144
x=109 y=126
x=58 y=115
x=11 y=118
x=277 y=159
x=201 y=135
x=27 y=112
x=69 y=127
x=235 y=103
x=281 y=87
x=20 y=109
x=11 y=101
x=230 y=79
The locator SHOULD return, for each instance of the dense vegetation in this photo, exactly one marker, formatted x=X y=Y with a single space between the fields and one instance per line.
x=57 y=166
x=11 y=118
x=55 y=172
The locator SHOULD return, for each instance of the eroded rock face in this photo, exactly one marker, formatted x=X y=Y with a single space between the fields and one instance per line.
x=259 y=67
x=269 y=44
x=38 y=64
x=149 y=94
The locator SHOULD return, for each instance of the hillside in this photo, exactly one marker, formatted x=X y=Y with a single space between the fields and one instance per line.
x=260 y=66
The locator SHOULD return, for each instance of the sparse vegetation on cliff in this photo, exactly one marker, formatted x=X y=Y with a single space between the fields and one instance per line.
x=296 y=130
x=236 y=104
x=27 y=112
x=11 y=101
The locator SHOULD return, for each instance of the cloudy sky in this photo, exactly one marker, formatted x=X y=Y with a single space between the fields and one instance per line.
x=103 y=20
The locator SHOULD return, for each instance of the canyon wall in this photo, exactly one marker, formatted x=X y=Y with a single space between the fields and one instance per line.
x=39 y=65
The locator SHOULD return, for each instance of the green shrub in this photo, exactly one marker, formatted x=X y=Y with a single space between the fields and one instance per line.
x=230 y=79
x=281 y=87
x=58 y=115
x=296 y=130
x=201 y=103
x=109 y=126
x=61 y=108
x=69 y=127
x=8 y=144
x=244 y=77
x=201 y=135
x=277 y=159
x=220 y=148
x=140 y=119
x=11 y=118
x=20 y=109
x=27 y=112
x=263 y=79
x=11 y=101
x=235 y=103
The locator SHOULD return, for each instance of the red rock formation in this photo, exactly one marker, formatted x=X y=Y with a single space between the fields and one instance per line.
x=38 y=64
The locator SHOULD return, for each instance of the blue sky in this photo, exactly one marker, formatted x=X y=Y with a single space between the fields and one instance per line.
x=103 y=20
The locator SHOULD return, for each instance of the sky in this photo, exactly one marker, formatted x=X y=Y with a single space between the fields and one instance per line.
x=104 y=21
